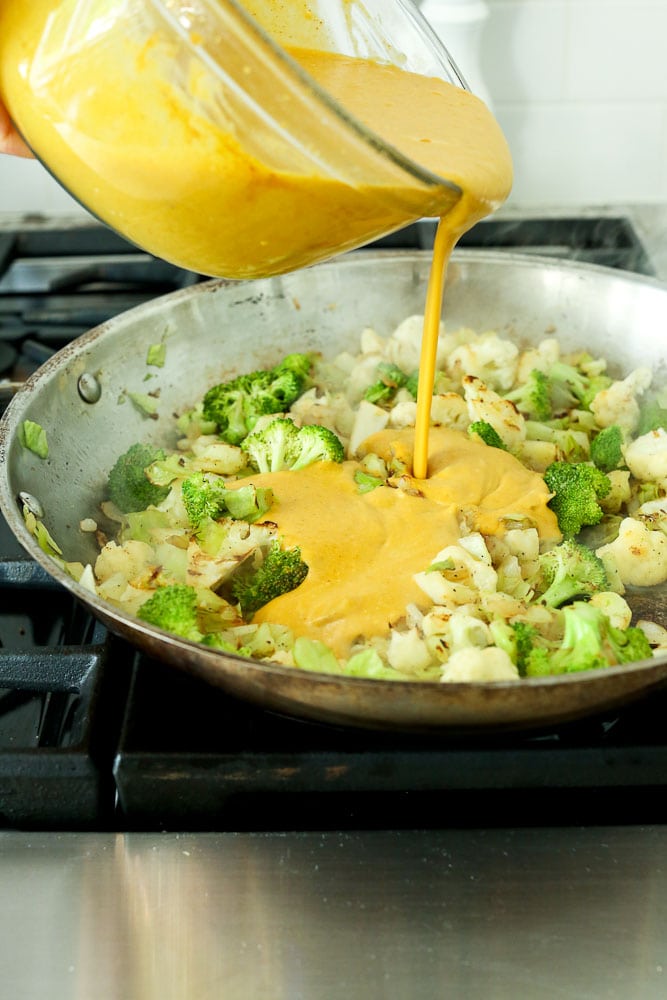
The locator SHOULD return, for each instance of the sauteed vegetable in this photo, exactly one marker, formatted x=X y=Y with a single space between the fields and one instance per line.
x=216 y=539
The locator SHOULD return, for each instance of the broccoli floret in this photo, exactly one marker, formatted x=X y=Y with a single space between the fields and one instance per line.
x=281 y=571
x=524 y=646
x=628 y=644
x=485 y=432
x=193 y=423
x=532 y=398
x=281 y=445
x=273 y=448
x=129 y=487
x=590 y=641
x=236 y=406
x=581 y=648
x=538 y=663
x=570 y=570
x=215 y=640
x=568 y=386
x=299 y=364
x=203 y=496
x=174 y=609
x=524 y=637
x=606 y=450
x=206 y=496
x=517 y=639
x=390 y=379
x=577 y=488
x=412 y=384
x=317 y=444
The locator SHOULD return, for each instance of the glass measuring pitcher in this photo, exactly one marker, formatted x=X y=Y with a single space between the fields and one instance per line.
x=197 y=130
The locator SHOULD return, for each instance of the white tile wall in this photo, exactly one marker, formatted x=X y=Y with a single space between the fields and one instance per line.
x=580 y=87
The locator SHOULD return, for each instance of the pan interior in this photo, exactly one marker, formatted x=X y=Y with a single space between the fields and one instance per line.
x=218 y=329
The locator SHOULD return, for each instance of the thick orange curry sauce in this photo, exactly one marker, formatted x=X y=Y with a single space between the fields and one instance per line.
x=362 y=550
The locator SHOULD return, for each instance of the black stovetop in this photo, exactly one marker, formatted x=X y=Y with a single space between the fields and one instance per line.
x=94 y=735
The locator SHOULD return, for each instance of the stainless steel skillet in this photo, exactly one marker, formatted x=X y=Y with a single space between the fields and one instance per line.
x=218 y=328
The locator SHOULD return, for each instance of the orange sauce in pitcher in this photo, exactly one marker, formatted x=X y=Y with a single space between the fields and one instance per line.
x=139 y=156
x=130 y=126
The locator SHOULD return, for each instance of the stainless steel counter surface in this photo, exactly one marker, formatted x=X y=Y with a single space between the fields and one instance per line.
x=550 y=913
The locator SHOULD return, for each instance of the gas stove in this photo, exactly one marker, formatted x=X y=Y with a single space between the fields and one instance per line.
x=96 y=736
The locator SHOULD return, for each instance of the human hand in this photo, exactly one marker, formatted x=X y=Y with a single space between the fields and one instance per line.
x=10 y=141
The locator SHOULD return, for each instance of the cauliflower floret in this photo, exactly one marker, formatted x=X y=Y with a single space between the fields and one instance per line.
x=403 y=414
x=646 y=456
x=524 y=543
x=466 y=572
x=511 y=579
x=205 y=570
x=618 y=403
x=130 y=559
x=537 y=455
x=475 y=544
x=436 y=622
x=638 y=555
x=655 y=509
x=363 y=375
x=466 y=630
x=620 y=492
x=345 y=362
x=282 y=657
x=451 y=339
x=408 y=652
x=443 y=591
x=615 y=607
x=331 y=410
x=656 y=635
x=502 y=605
x=369 y=420
x=371 y=342
x=117 y=590
x=489 y=358
x=403 y=348
x=542 y=358
x=654 y=514
x=475 y=664
x=217 y=456
x=449 y=409
x=485 y=404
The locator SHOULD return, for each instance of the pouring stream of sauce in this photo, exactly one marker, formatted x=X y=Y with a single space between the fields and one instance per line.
x=446 y=130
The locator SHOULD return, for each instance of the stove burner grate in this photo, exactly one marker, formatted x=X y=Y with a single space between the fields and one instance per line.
x=95 y=735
